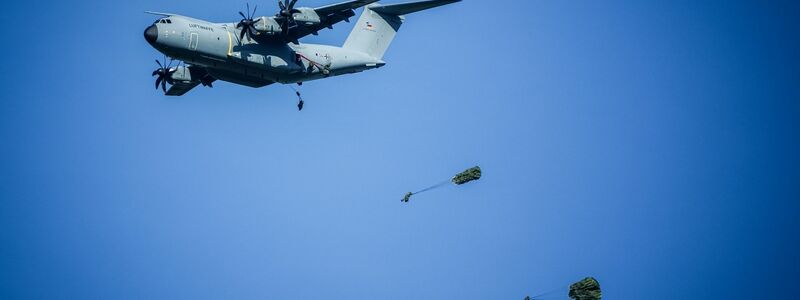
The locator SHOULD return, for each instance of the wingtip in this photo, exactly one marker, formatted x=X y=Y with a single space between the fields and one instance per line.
x=158 y=13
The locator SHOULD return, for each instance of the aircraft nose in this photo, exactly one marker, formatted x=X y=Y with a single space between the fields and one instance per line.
x=151 y=34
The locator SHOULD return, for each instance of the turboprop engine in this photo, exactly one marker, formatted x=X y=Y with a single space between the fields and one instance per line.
x=306 y=16
x=267 y=25
x=287 y=19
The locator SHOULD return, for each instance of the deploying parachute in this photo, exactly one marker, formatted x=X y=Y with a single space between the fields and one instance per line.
x=468 y=175
x=586 y=289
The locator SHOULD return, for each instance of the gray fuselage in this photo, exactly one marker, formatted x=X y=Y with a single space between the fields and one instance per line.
x=217 y=48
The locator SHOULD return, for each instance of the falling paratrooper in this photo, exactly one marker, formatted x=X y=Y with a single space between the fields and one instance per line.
x=407 y=196
x=468 y=175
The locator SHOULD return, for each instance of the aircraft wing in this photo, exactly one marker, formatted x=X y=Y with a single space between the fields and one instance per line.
x=181 y=87
x=339 y=7
x=410 y=7
x=330 y=15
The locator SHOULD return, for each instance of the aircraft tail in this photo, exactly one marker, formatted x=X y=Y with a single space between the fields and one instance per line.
x=378 y=25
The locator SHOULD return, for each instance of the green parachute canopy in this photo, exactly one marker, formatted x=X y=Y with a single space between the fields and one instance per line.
x=586 y=289
x=470 y=174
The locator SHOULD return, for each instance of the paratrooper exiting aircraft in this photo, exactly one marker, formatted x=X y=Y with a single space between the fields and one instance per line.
x=259 y=51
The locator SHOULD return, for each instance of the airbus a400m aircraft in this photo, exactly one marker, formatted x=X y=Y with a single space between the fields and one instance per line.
x=259 y=51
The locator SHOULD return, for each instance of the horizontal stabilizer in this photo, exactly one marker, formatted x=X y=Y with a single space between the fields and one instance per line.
x=411 y=7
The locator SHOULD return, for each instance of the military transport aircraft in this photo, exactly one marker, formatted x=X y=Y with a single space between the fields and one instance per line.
x=259 y=51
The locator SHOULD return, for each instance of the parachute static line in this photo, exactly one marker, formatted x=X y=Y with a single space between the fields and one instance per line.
x=321 y=67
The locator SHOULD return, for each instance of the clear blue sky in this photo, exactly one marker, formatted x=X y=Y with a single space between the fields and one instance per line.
x=651 y=144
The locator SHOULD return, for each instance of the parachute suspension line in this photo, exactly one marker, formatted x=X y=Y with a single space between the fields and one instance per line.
x=552 y=297
x=549 y=293
x=433 y=187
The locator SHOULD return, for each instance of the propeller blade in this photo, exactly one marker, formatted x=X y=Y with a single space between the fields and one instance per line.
x=164 y=73
x=241 y=34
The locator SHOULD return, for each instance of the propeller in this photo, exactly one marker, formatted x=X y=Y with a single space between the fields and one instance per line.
x=247 y=24
x=164 y=74
x=285 y=17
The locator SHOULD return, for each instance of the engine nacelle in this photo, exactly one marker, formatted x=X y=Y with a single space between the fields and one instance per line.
x=307 y=16
x=268 y=26
x=183 y=74
x=190 y=74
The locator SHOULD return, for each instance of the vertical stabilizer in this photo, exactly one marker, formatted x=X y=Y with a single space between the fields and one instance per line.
x=378 y=25
x=373 y=33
